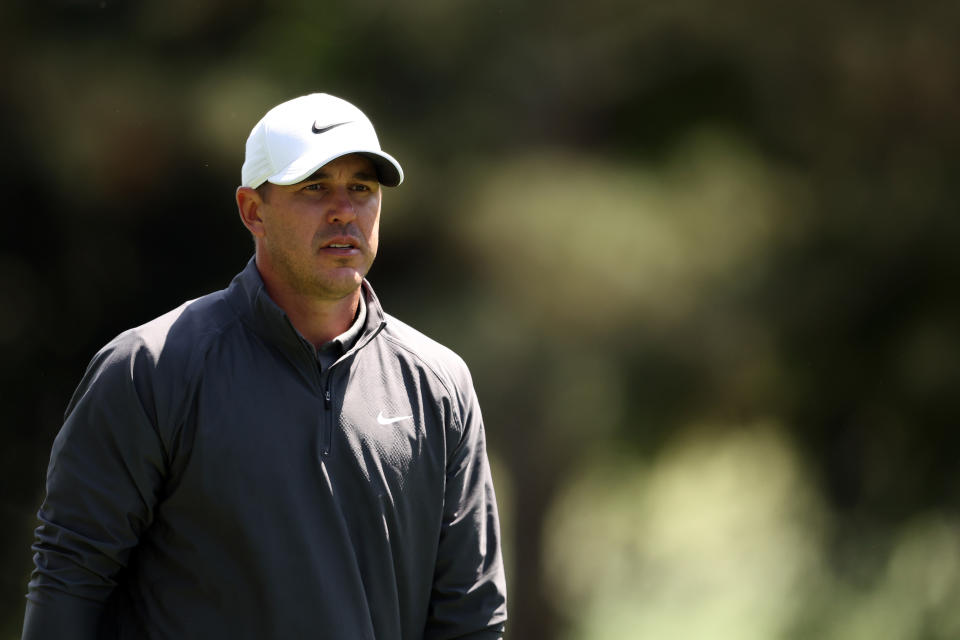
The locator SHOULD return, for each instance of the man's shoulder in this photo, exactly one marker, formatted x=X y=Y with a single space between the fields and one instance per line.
x=157 y=362
x=178 y=335
x=442 y=360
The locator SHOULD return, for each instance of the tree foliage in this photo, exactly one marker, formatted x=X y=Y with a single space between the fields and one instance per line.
x=648 y=227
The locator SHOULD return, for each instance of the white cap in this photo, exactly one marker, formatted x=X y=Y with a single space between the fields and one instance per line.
x=299 y=136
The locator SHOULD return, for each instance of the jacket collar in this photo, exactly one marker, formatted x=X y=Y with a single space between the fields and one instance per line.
x=249 y=297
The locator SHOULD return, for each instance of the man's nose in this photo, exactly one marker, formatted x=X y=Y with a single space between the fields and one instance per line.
x=341 y=207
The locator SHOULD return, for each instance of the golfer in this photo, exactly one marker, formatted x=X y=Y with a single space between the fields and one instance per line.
x=279 y=459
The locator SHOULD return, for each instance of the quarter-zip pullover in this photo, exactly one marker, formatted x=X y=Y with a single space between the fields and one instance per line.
x=212 y=481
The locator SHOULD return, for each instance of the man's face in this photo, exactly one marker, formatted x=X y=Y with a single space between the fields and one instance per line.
x=319 y=236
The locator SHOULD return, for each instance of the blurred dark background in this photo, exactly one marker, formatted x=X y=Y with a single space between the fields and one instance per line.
x=701 y=257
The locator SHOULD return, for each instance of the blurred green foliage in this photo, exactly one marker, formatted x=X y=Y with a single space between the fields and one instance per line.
x=701 y=259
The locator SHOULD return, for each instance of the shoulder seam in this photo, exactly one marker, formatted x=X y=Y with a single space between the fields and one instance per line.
x=432 y=370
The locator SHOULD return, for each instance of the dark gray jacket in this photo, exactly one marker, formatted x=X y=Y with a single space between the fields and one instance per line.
x=211 y=482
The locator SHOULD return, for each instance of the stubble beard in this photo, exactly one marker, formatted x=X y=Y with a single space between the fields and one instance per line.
x=328 y=283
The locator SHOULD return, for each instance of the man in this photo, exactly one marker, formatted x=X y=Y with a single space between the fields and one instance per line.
x=280 y=459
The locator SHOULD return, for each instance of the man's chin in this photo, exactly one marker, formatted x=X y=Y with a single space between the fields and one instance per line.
x=339 y=285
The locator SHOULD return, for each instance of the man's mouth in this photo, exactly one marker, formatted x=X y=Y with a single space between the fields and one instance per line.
x=343 y=244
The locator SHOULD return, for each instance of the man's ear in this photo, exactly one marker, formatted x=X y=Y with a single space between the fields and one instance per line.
x=250 y=203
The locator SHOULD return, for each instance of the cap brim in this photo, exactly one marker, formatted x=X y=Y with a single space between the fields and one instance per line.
x=389 y=172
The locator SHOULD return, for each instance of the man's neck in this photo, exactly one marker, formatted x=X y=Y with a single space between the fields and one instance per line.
x=319 y=320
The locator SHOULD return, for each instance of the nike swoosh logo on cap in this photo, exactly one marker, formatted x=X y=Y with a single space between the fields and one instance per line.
x=382 y=420
x=317 y=129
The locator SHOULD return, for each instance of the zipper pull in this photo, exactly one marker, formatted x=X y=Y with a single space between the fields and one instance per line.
x=326 y=399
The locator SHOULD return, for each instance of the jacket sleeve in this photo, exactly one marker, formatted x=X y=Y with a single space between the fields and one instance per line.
x=468 y=600
x=104 y=477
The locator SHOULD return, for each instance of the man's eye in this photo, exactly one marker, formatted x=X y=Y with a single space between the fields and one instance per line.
x=316 y=186
x=361 y=187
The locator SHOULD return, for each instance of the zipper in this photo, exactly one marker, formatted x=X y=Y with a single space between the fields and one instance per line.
x=326 y=433
x=328 y=421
